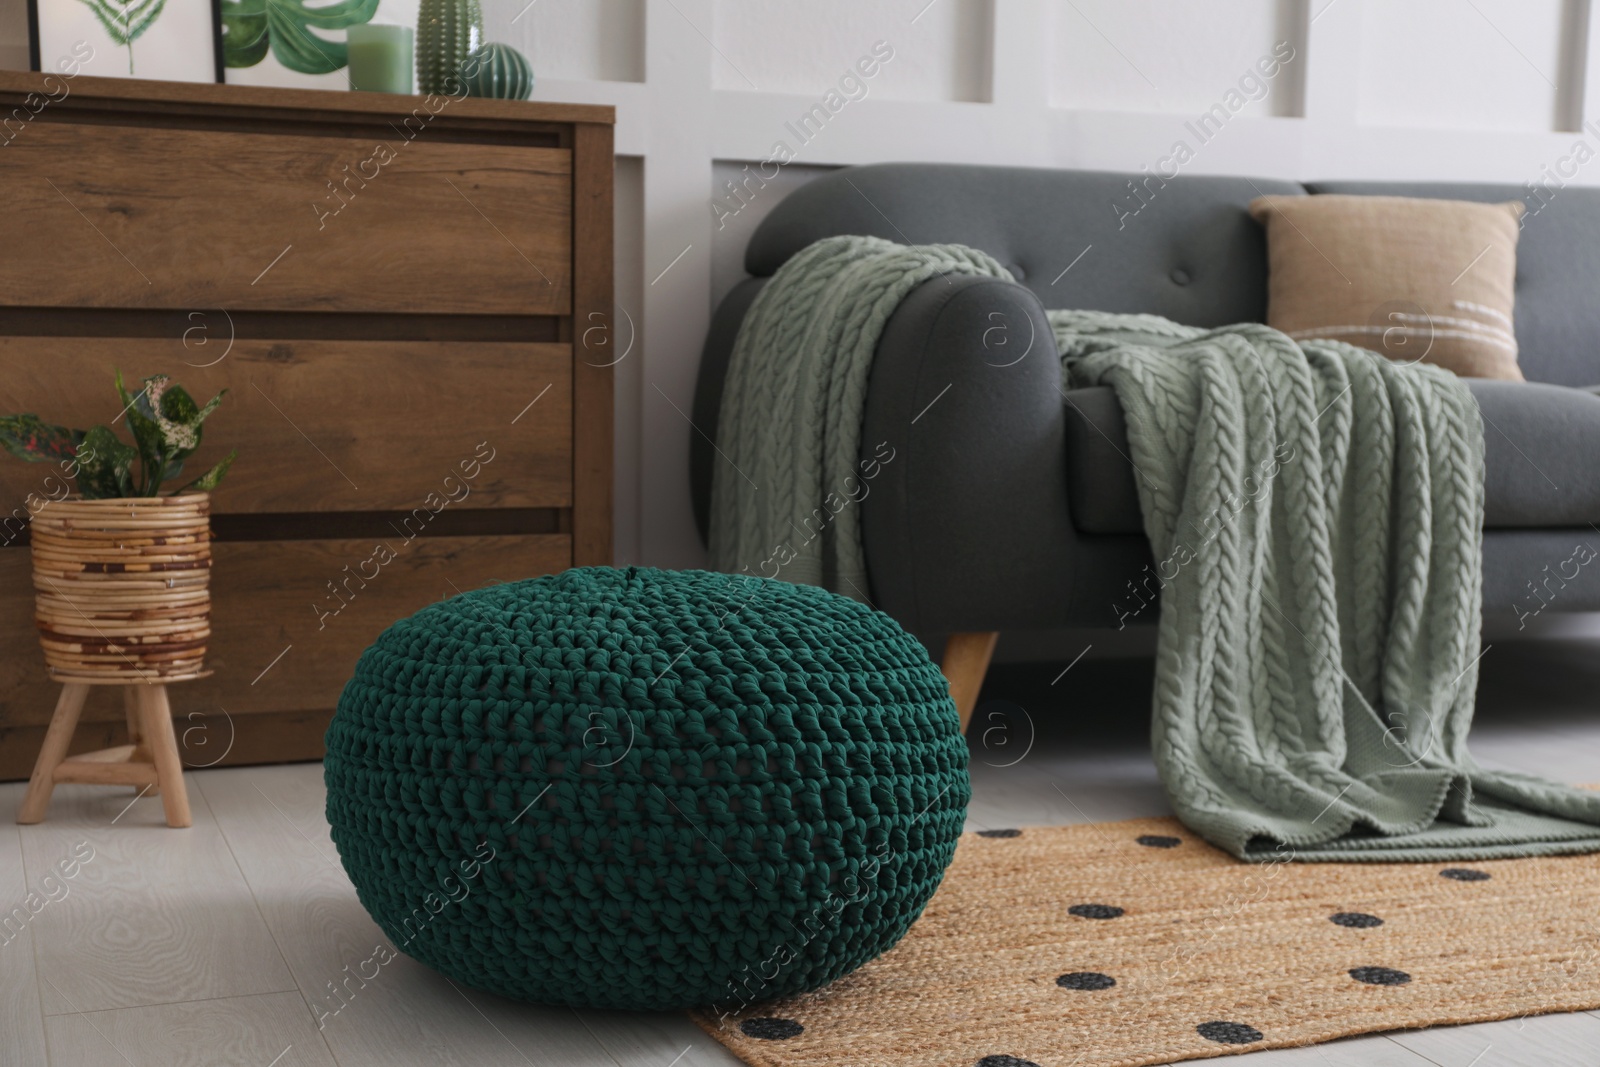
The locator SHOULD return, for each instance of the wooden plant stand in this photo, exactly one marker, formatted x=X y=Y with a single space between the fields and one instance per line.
x=149 y=760
x=121 y=597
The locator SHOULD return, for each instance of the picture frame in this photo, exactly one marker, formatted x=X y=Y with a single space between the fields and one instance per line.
x=302 y=45
x=171 y=40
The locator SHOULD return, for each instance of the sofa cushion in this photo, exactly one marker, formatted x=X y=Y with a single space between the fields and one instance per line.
x=1100 y=479
x=1541 y=458
x=1558 y=258
x=1541 y=447
x=1409 y=277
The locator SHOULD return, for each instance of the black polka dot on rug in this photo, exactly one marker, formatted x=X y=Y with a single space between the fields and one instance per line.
x=1379 y=975
x=1225 y=1033
x=1464 y=874
x=1086 y=980
x=1005 y=1061
x=999 y=833
x=1095 y=911
x=1159 y=841
x=1356 y=920
x=768 y=1028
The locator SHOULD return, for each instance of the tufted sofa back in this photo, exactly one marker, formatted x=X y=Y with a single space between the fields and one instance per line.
x=1181 y=247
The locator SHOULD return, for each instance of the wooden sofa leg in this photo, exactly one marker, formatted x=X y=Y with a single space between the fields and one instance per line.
x=965 y=662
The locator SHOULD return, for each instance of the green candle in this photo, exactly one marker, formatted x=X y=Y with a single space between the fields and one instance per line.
x=380 y=58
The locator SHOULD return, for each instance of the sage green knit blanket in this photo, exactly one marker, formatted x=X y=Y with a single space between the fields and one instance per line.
x=1315 y=511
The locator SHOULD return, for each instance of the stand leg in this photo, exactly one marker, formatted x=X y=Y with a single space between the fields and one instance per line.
x=56 y=739
x=156 y=717
x=141 y=751
x=130 y=705
x=965 y=662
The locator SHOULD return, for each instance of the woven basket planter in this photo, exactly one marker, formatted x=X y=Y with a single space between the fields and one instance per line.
x=122 y=587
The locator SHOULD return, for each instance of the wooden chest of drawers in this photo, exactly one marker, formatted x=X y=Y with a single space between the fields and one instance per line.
x=409 y=301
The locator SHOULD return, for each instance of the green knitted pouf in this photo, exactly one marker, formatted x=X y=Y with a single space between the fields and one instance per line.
x=646 y=789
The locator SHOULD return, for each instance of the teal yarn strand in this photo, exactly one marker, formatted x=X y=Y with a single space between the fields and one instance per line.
x=646 y=789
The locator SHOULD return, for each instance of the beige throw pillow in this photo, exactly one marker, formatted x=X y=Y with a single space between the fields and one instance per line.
x=1414 y=279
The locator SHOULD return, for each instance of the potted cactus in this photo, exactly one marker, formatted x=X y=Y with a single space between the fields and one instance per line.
x=121 y=568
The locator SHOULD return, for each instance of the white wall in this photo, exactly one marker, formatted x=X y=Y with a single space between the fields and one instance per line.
x=1411 y=89
x=777 y=47
x=1149 y=55
x=1406 y=81
x=579 y=39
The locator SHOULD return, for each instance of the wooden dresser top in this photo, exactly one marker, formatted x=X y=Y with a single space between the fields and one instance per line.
x=151 y=97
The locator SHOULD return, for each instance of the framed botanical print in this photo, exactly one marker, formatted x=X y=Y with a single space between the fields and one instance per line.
x=169 y=40
x=298 y=43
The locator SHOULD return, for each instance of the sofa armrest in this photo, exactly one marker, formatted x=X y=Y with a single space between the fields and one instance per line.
x=704 y=416
x=968 y=527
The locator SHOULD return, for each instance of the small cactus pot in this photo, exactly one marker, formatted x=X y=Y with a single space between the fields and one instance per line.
x=499 y=72
x=448 y=31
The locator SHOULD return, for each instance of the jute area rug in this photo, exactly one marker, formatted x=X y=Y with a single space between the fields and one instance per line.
x=1136 y=943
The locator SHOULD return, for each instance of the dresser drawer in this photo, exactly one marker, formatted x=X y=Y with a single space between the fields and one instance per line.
x=144 y=217
x=326 y=426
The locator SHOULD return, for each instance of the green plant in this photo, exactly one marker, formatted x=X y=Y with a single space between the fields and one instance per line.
x=250 y=27
x=125 y=20
x=166 y=424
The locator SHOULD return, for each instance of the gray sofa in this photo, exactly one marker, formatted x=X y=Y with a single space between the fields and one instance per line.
x=1011 y=505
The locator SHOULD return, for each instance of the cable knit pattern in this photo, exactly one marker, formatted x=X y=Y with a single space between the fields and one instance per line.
x=789 y=431
x=1315 y=511
x=645 y=789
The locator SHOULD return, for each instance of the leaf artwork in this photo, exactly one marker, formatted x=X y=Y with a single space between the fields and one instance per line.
x=125 y=20
x=252 y=27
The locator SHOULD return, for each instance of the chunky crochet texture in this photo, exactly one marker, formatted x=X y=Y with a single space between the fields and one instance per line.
x=1315 y=512
x=645 y=789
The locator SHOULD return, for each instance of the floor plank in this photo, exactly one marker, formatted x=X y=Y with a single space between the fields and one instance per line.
x=269 y=1030
x=650 y=1039
x=1054 y=788
x=153 y=916
x=1552 y=754
x=1375 y=1051
x=1537 y=1041
x=21 y=1022
x=273 y=818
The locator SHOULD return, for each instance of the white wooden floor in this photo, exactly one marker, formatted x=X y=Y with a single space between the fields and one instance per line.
x=214 y=945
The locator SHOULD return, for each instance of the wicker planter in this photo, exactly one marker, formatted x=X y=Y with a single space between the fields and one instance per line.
x=122 y=587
